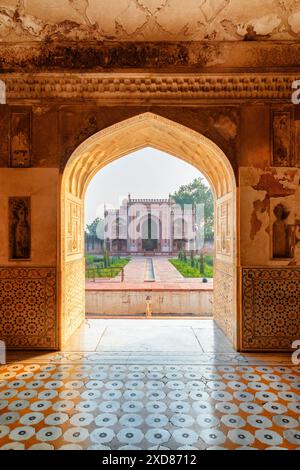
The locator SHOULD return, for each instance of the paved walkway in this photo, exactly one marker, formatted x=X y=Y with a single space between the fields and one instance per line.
x=166 y=278
x=138 y=335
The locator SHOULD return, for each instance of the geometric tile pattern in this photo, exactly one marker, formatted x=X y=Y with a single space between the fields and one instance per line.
x=28 y=313
x=177 y=407
x=271 y=306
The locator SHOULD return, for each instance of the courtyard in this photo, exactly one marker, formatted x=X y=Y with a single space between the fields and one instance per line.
x=166 y=290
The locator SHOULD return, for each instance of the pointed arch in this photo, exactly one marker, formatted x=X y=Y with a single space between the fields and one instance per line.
x=114 y=142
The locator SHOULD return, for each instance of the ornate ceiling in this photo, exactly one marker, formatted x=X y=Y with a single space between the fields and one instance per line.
x=149 y=20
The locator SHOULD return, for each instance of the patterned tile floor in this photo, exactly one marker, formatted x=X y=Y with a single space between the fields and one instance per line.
x=77 y=401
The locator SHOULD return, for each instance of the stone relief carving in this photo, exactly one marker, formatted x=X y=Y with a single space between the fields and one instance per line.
x=223 y=297
x=203 y=20
x=155 y=88
x=275 y=184
x=74 y=237
x=19 y=228
x=223 y=235
x=4 y=140
x=296 y=248
x=212 y=8
x=88 y=126
x=2 y=92
x=76 y=128
x=20 y=139
x=73 y=306
x=226 y=125
x=297 y=144
x=282 y=138
x=283 y=234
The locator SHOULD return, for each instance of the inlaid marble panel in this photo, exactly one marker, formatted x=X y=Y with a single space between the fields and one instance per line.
x=271 y=306
x=28 y=311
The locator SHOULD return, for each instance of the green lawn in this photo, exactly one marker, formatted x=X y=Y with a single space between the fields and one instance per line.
x=185 y=268
x=97 y=264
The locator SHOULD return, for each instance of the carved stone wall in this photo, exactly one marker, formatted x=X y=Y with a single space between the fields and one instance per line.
x=155 y=87
x=74 y=224
x=72 y=266
x=73 y=298
x=282 y=137
x=271 y=308
x=224 y=227
x=77 y=123
x=224 y=302
x=28 y=307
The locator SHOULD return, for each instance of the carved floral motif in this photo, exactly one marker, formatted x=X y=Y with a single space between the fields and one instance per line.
x=19 y=228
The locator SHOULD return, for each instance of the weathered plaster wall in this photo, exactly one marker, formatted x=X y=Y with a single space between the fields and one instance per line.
x=261 y=191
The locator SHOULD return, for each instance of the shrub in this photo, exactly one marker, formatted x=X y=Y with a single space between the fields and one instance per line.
x=209 y=260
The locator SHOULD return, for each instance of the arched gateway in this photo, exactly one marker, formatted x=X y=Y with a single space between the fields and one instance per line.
x=147 y=130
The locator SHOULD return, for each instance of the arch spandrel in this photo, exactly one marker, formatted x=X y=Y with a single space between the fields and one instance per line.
x=154 y=131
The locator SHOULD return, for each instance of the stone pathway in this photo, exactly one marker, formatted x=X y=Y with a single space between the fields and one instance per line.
x=166 y=277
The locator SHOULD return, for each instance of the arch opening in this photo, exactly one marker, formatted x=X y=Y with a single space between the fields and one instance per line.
x=112 y=143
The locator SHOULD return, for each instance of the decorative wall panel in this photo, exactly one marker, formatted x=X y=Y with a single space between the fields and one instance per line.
x=73 y=301
x=116 y=87
x=74 y=223
x=282 y=143
x=224 y=227
x=4 y=132
x=20 y=139
x=271 y=308
x=224 y=302
x=160 y=20
x=28 y=311
x=19 y=213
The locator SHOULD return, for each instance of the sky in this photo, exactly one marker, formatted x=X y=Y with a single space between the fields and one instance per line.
x=146 y=173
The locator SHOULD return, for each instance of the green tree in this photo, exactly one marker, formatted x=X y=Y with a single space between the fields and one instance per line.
x=92 y=228
x=192 y=258
x=197 y=192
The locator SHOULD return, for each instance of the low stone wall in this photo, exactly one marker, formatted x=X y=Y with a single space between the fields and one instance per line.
x=133 y=302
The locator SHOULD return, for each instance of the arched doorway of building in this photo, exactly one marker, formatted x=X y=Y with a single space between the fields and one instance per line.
x=147 y=130
x=150 y=233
